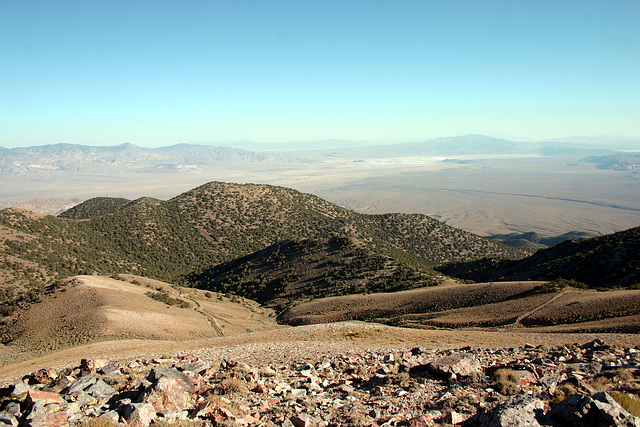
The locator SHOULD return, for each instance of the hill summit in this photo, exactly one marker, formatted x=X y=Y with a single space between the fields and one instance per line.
x=212 y=224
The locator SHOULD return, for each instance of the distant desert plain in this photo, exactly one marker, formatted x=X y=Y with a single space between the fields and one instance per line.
x=479 y=184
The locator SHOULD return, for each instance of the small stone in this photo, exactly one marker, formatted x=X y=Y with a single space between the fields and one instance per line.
x=458 y=365
x=110 y=370
x=8 y=419
x=303 y=420
x=93 y=364
x=454 y=418
x=44 y=376
x=267 y=372
x=101 y=390
x=297 y=393
x=169 y=389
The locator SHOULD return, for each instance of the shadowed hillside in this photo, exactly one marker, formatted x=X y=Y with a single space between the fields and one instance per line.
x=600 y=262
x=533 y=241
x=303 y=269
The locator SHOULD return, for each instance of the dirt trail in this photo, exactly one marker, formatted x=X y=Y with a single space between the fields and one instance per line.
x=540 y=307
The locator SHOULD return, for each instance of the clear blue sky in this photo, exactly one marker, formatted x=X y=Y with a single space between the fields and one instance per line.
x=156 y=73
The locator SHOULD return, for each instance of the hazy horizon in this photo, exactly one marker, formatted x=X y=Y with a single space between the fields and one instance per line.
x=605 y=140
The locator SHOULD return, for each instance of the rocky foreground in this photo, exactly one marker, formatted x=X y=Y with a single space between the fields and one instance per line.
x=574 y=386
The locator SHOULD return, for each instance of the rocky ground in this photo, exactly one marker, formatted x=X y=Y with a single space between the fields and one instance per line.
x=530 y=385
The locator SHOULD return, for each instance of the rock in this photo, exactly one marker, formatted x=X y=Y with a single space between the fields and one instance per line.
x=297 y=393
x=46 y=396
x=303 y=420
x=599 y=409
x=44 y=376
x=12 y=408
x=81 y=385
x=93 y=365
x=101 y=390
x=267 y=372
x=8 y=419
x=139 y=414
x=110 y=370
x=518 y=411
x=194 y=368
x=20 y=390
x=456 y=365
x=595 y=345
x=454 y=418
x=169 y=389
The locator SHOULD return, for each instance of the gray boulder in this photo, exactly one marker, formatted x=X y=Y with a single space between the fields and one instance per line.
x=519 y=411
x=591 y=411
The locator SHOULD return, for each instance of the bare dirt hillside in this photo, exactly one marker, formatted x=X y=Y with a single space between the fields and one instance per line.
x=93 y=308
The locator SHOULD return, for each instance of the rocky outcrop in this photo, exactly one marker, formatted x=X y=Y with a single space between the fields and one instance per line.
x=392 y=387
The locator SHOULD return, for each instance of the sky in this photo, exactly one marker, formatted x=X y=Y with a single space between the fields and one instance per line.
x=157 y=73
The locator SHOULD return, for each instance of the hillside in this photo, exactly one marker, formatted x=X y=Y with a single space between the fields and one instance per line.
x=219 y=222
x=305 y=269
x=87 y=309
x=215 y=223
x=94 y=207
x=533 y=241
x=611 y=261
x=521 y=305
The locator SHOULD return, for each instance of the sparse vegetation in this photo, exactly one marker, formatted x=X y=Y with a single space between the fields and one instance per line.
x=628 y=401
x=98 y=422
x=506 y=381
x=167 y=299
x=563 y=391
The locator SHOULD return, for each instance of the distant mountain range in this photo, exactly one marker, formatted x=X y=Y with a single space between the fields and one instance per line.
x=126 y=158
x=455 y=146
x=185 y=157
x=625 y=162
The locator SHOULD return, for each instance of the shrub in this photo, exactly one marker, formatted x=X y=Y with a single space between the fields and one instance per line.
x=231 y=385
x=627 y=401
x=98 y=422
x=167 y=299
x=563 y=391
x=506 y=381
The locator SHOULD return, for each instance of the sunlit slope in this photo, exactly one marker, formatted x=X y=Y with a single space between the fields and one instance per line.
x=95 y=308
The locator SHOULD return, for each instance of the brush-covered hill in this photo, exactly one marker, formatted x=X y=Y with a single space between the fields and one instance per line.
x=99 y=206
x=206 y=226
x=94 y=207
x=611 y=261
x=296 y=270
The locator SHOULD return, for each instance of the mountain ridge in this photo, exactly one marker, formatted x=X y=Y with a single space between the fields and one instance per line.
x=608 y=261
x=214 y=223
